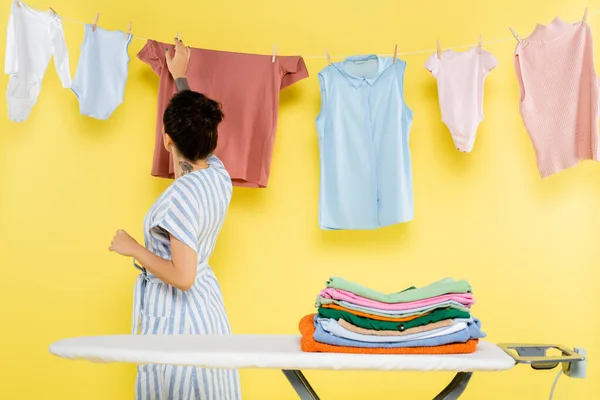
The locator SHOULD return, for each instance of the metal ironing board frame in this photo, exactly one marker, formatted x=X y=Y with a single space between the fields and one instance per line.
x=535 y=355
x=305 y=391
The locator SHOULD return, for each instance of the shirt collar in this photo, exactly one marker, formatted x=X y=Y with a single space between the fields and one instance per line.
x=356 y=80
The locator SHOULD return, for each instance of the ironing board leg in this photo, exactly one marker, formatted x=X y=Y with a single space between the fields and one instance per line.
x=456 y=387
x=451 y=392
x=300 y=384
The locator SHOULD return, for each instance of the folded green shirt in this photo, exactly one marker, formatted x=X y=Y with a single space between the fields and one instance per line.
x=444 y=286
x=368 y=323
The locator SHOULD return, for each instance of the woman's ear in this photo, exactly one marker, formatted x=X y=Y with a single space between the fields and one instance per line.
x=167 y=141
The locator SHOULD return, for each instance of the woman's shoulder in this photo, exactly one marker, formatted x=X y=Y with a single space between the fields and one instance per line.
x=217 y=167
x=181 y=190
x=194 y=184
x=200 y=182
x=216 y=164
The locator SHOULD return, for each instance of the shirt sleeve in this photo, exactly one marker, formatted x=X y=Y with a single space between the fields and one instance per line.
x=432 y=64
x=10 y=61
x=488 y=61
x=179 y=215
x=293 y=70
x=153 y=54
x=61 y=54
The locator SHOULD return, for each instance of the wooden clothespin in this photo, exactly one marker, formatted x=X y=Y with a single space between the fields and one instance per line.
x=480 y=44
x=96 y=22
x=584 y=20
x=129 y=29
x=178 y=37
x=439 y=49
x=274 y=52
x=327 y=56
x=516 y=35
x=52 y=11
x=395 y=53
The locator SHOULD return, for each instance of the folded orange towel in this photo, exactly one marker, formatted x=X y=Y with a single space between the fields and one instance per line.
x=308 y=344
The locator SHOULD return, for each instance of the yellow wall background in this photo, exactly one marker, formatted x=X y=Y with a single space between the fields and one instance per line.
x=67 y=182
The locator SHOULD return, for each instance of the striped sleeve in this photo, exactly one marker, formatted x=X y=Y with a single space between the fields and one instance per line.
x=180 y=216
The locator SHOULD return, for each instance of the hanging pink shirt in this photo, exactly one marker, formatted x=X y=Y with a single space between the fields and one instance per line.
x=559 y=94
x=247 y=86
x=342 y=295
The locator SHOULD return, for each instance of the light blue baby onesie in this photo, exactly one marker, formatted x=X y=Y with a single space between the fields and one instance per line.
x=101 y=75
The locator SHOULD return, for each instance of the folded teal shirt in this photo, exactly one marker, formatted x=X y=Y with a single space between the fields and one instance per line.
x=379 y=325
x=444 y=286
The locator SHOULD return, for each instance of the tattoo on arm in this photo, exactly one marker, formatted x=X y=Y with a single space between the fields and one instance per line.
x=182 y=84
x=186 y=167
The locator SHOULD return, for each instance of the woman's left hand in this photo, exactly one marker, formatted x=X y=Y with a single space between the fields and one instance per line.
x=178 y=64
x=123 y=244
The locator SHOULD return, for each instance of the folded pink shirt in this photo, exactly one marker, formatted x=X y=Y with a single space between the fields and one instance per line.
x=342 y=295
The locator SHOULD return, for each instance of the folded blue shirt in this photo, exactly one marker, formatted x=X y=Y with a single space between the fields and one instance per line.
x=472 y=331
x=333 y=327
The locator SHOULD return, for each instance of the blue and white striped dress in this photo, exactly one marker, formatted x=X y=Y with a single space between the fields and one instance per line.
x=192 y=209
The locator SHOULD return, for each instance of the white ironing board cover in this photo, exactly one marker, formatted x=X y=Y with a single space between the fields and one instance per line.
x=263 y=351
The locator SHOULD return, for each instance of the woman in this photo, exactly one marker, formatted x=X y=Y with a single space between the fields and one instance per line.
x=177 y=292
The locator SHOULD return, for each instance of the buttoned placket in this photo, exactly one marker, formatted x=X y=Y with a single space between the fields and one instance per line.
x=364 y=86
x=365 y=89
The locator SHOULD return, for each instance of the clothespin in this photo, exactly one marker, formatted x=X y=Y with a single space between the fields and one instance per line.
x=516 y=35
x=480 y=44
x=178 y=36
x=52 y=11
x=439 y=49
x=327 y=56
x=584 y=20
x=96 y=22
x=129 y=29
x=395 y=53
x=18 y=3
x=274 y=52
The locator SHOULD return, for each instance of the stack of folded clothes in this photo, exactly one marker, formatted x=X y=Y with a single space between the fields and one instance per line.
x=434 y=319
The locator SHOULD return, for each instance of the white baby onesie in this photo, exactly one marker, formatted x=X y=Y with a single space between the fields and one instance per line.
x=32 y=38
x=460 y=79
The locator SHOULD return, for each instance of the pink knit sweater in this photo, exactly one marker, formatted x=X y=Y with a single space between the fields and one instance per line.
x=559 y=94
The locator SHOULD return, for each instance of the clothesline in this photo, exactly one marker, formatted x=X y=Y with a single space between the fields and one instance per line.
x=424 y=51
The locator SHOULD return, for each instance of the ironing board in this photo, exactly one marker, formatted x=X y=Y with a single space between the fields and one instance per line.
x=275 y=352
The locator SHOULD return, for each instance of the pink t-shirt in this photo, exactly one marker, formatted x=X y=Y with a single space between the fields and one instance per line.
x=343 y=295
x=247 y=86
